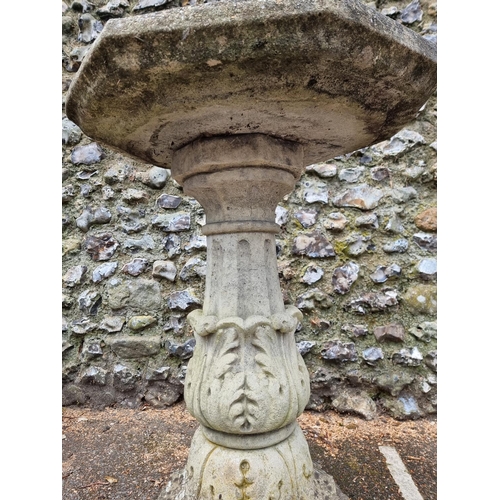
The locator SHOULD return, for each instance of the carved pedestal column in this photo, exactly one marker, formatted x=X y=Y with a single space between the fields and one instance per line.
x=246 y=383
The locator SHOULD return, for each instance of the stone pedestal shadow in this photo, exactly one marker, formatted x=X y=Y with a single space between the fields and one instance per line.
x=237 y=98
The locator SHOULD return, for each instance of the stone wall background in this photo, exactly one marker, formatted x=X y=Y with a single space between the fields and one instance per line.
x=356 y=253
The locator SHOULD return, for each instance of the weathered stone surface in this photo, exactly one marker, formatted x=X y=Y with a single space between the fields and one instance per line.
x=399 y=143
x=71 y=133
x=351 y=174
x=351 y=109
x=94 y=375
x=314 y=245
x=168 y=201
x=315 y=192
x=335 y=221
x=139 y=294
x=82 y=326
x=135 y=347
x=312 y=299
x=112 y=324
x=355 y=331
x=124 y=378
x=427 y=220
x=383 y=273
x=305 y=346
x=133 y=196
x=405 y=407
x=344 y=277
x=425 y=331
x=117 y=173
x=363 y=197
x=373 y=301
x=395 y=224
x=194 y=267
x=87 y=155
x=89 y=302
x=183 y=300
x=101 y=247
x=393 y=383
x=144 y=244
x=411 y=13
x=89 y=28
x=380 y=174
x=281 y=215
x=397 y=246
x=113 y=9
x=155 y=177
x=421 y=299
x=370 y=221
x=427 y=269
x=171 y=223
x=403 y=194
x=163 y=395
x=372 y=355
x=426 y=241
x=136 y=266
x=408 y=357
x=164 y=269
x=104 y=271
x=138 y=323
x=337 y=350
x=312 y=275
x=74 y=276
x=356 y=402
x=307 y=218
x=182 y=351
x=324 y=170
x=93 y=216
x=394 y=332
x=430 y=360
x=175 y=324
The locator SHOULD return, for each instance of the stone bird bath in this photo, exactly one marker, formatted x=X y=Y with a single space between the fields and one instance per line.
x=236 y=98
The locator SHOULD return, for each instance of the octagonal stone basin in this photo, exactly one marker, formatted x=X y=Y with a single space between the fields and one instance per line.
x=331 y=75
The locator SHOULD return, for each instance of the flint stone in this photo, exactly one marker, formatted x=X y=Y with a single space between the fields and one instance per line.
x=343 y=277
x=163 y=394
x=182 y=351
x=117 y=173
x=370 y=221
x=138 y=323
x=399 y=143
x=143 y=244
x=408 y=357
x=92 y=351
x=372 y=355
x=183 y=300
x=135 y=267
x=135 y=347
x=82 y=6
x=421 y=299
x=312 y=275
x=398 y=246
x=133 y=195
x=168 y=201
x=392 y=332
x=133 y=220
x=124 y=379
x=315 y=192
x=427 y=220
x=171 y=223
x=374 y=301
x=363 y=197
x=101 y=247
x=356 y=402
x=196 y=242
x=411 y=13
x=87 y=155
x=383 y=273
x=76 y=57
x=324 y=170
x=164 y=269
x=426 y=241
x=107 y=193
x=395 y=225
x=112 y=324
x=312 y=299
x=281 y=215
x=71 y=132
x=355 y=331
x=157 y=374
x=414 y=172
x=380 y=174
x=175 y=324
x=425 y=331
x=68 y=193
x=427 y=269
x=94 y=375
x=335 y=221
x=194 y=267
x=155 y=177
x=149 y=5
x=74 y=276
x=89 y=28
x=314 y=245
x=351 y=174
x=393 y=383
x=89 y=302
x=358 y=244
x=431 y=360
x=306 y=217
x=172 y=245
x=141 y=294
x=86 y=190
x=82 y=326
x=337 y=350
x=305 y=346
x=403 y=408
x=91 y=217
x=113 y=9
x=104 y=271
x=403 y=194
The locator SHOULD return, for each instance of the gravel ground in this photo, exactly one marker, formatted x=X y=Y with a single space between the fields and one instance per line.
x=128 y=454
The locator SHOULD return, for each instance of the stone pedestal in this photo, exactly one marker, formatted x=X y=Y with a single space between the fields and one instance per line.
x=237 y=98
